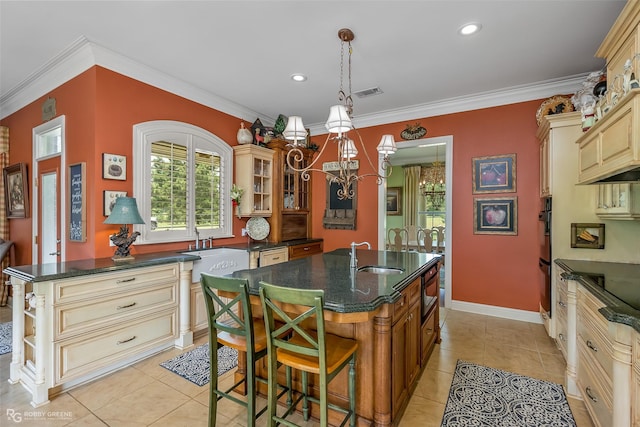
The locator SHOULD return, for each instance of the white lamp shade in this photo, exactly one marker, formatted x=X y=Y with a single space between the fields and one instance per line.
x=387 y=145
x=338 y=121
x=349 y=150
x=295 y=130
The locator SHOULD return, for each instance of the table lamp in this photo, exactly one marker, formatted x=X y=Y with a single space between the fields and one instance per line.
x=124 y=212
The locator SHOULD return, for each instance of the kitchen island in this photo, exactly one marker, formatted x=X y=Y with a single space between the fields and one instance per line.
x=89 y=317
x=383 y=312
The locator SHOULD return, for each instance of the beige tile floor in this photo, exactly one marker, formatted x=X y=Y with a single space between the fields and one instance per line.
x=146 y=394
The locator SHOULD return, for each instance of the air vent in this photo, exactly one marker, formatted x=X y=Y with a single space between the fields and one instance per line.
x=368 y=92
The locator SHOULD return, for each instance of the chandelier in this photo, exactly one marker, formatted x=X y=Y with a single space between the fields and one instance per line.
x=345 y=170
x=432 y=183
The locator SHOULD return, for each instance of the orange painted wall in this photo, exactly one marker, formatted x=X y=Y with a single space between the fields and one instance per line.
x=101 y=107
x=486 y=269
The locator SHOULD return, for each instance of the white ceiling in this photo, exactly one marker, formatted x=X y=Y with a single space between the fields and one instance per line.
x=238 y=55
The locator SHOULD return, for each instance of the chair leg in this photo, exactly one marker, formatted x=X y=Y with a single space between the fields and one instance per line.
x=213 y=384
x=289 y=386
x=272 y=392
x=305 y=401
x=352 y=390
x=250 y=382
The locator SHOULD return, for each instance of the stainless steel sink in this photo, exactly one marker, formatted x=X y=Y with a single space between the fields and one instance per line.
x=379 y=269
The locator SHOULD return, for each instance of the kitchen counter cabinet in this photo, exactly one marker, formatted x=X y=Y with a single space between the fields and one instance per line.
x=566 y=321
x=381 y=312
x=95 y=316
x=607 y=332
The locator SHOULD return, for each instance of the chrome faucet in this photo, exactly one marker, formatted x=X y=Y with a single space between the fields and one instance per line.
x=197 y=238
x=354 y=260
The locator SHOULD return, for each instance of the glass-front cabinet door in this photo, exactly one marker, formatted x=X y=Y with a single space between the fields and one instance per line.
x=254 y=175
x=296 y=190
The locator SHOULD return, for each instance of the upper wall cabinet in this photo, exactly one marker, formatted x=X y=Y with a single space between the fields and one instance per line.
x=254 y=174
x=612 y=145
x=618 y=201
x=557 y=134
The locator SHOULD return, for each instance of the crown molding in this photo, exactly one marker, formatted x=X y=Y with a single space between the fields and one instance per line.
x=459 y=104
x=82 y=54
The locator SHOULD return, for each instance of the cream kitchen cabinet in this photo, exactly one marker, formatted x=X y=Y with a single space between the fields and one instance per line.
x=557 y=134
x=274 y=256
x=612 y=145
x=91 y=320
x=618 y=201
x=604 y=363
x=565 y=315
x=254 y=174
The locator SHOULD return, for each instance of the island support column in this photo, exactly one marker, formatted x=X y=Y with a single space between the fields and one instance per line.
x=186 y=334
x=382 y=372
x=17 y=353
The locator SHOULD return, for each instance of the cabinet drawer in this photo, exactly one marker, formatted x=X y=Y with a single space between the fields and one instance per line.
x=96 y=285
x=562 y=333
x=414 y=291
x=300 y=251
x=81 y=316
x=408 y=297
x=273 y=256
x=596 y=398
x=562 y=299
x=595 y=344
x=87 y=353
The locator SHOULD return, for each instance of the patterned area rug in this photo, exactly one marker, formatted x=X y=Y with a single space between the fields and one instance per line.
x=5 y=337
x=481 y=396
x=194 y=365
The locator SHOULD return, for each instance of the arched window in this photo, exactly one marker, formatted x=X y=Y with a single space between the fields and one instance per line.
x=182 y=181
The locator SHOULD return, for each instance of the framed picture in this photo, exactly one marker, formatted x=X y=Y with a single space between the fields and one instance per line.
x=394 y=201
x=498 y=215
x=587 y=235
x=114 y=166
x=494 y=174
x=77 y=202
x=16 y=194
x=110 y=200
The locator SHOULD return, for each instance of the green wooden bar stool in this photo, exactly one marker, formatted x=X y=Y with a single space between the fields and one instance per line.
x=231 y=323
x=310 y=351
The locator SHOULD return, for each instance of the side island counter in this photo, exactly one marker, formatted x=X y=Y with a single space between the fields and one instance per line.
x=386 y=304
x=83 y=319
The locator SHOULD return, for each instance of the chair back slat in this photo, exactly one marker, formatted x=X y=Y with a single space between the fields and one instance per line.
x=293 y=323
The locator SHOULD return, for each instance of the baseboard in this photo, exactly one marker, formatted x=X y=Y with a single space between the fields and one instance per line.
x=492 y=310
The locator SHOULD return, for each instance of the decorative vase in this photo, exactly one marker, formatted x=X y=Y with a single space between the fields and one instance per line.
x=244 y=135
x=238 y=212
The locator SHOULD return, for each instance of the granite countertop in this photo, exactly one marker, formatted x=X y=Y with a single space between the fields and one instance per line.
x=344 y=292
x=615 y=284
x=62 y=270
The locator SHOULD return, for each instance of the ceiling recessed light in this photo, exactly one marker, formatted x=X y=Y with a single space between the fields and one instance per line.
x=298 y=77
x=470 y=28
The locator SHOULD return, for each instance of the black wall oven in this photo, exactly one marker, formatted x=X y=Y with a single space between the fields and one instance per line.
x=430 y=289
x=544 y=262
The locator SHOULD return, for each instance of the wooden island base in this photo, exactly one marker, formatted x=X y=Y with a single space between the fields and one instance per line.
x=394 y=347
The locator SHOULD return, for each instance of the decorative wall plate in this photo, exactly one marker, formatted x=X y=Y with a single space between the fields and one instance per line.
x=258 y=228
x=413 y=132
x=555 y=105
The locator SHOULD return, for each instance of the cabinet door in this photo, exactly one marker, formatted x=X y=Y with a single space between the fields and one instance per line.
x=413 y=350
x=295 y=189
x=618 y=201
x=399 y=366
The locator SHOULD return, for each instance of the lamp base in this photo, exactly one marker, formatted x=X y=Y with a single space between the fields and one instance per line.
x=117 y=258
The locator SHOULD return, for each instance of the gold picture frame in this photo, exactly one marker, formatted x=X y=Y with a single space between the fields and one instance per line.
x=394 y=201
x=587 y=235
x=16 y=191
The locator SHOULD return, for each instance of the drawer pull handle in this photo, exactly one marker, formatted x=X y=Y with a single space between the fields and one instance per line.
x=591 y=396
x=561 y=336
x=126 y=280
x=120 y=307
x=561 y=304
x=591 y=346
x=127 y=340
x=307 y=248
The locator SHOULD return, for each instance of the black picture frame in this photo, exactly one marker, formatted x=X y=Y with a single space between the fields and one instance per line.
x=497 y=215
x=494 y=174
x=394 y=201
x=587 y=235
x=16 y=191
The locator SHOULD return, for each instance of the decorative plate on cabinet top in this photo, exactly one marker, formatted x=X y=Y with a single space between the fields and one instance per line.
x=555 y=105
x=258 y=228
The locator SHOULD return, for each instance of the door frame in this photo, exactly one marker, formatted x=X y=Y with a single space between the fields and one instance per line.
x=58 y=122
x=447 y=140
